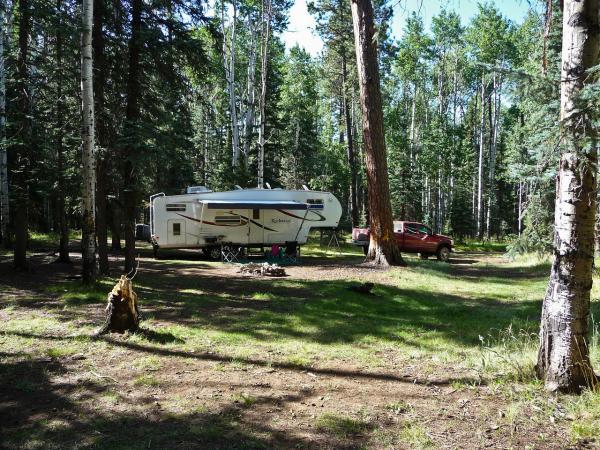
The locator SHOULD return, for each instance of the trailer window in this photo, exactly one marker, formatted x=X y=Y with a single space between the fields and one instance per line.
x=256 y=214
x=176 y=206
x=176 y=229
x=315 y=203
x=228 y=220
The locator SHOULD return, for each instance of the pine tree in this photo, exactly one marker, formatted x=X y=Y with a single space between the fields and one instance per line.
x=383 y=249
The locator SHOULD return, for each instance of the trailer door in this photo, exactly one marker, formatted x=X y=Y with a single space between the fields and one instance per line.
x=176 y=232
x=256 y=231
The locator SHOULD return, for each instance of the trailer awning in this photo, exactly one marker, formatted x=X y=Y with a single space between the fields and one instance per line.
x=255 y=204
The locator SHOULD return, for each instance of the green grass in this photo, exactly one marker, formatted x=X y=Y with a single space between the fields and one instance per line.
x=146 y=380
x=341 y=426
x=471 y=245
x=415 y=436
x=479 y=317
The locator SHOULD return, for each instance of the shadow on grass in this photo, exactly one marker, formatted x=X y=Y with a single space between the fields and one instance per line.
x=329 y=312
x=323 y=311
x=210 y=356
x=39 y=411
x=160 y=337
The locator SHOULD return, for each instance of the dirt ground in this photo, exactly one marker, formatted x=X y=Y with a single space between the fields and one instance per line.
x=206 y=400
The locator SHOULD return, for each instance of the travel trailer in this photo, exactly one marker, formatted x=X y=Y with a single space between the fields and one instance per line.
x=242 y=218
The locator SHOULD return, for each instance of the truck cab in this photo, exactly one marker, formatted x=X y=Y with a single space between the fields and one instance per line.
x=411 y=237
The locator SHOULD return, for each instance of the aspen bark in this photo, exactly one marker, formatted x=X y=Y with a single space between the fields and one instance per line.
x=266 y=20
x=480 y=166
x=493 y=150
x=4 y=206
x=250 y=82
x=563 y=357
x=383 y=250
x=87 y=136
x=229 y=63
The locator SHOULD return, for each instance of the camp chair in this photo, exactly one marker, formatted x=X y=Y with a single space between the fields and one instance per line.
x=291 y=252
x=274 y=255
x=231 y=254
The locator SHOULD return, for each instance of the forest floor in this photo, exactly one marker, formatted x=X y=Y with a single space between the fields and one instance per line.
x=439 y=356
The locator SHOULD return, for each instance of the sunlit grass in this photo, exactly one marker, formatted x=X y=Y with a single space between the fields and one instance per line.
x=479 y=317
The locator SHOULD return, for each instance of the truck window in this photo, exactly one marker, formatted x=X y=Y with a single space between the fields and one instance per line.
x=410 y=228
x=424 y=229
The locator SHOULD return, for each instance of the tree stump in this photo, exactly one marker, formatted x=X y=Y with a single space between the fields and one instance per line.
x=122 y=312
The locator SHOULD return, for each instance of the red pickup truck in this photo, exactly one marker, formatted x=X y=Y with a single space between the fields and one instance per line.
x=412 y=237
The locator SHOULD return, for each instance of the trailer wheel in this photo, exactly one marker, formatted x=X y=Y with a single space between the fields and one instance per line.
x=213 y=253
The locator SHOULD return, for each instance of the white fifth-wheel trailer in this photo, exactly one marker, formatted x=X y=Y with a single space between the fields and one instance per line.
x=242 y=217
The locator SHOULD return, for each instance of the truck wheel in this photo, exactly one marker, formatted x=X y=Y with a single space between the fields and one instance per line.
x=443 y=253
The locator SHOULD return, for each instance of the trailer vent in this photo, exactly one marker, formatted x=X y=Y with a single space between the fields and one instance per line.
x=228 y=220
x=315 y=203
x=176 y=206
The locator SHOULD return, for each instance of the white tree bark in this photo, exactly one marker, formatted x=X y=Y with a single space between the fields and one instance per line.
x=250 y=89
x=497 y=92
x=229 y=64
x=4 y=207
x=88 y=153
x=266 y=20
x=411 y=136
x=563 y=357
x=480 y=167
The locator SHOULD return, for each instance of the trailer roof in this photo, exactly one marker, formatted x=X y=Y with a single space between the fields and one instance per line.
x=254 y=204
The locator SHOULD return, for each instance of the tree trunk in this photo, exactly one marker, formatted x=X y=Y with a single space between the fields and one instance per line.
x=494 y=130
x=63 y=226
x=229 y=63
x=350 y=144
x=88 y=206
x=131 y=117
x=22 y=142
x=266 y=20
x=115 y=225
x=563 y=358
x=480 y=167
x=102 y=140
x=251 y=79
x=4 y=206
x=383 y=249
x=411 y=136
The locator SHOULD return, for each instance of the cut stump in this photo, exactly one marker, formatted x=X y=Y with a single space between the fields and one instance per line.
x=122 y=312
